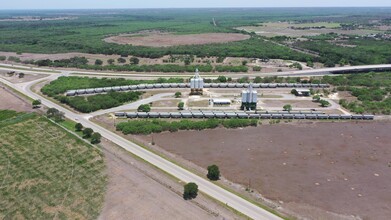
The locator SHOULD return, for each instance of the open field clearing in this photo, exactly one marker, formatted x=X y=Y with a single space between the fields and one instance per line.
x=272 y=29
x=47 y=173
x=10 y=100
x=137 y=191
x=167 y=40
x=294 y=103
x=341 y=168
x=14 y=78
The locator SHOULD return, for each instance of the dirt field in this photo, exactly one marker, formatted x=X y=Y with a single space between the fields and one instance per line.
x=273 y=29
x=294 y=103
x=9 y=100
x=167 y=40
x=15 y=77
x=315 y=169
x=137 y=191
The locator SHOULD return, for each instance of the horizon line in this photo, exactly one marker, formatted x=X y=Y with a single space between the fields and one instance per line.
x=222 y=7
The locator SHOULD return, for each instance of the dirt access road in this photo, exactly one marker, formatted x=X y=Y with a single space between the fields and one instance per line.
x=313 y=169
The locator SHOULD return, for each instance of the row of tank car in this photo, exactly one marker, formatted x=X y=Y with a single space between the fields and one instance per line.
x=187 y=85
x=245 y=115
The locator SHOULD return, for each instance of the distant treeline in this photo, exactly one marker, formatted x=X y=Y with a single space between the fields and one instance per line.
x=81 y=63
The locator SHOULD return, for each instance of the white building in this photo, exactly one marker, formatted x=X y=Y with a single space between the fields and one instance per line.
x=196 y=84
x=249 y=98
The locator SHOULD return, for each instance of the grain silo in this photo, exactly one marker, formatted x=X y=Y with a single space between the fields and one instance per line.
x=249 y=98
x=196 y=84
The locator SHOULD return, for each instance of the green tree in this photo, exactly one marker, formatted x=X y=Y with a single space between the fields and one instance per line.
x=144 y=108
x=222 y=79
x=110 y=61
x=36 y=103
x=121 y=60
x=257 y=68
x=190 y=191
x=316 y=98
x=95 y=138
x=294 y=92
x=98 y=62
x=178 y=94
x=324 y=103
x=244 y=62
x=181 y=105
x=78 y=127
x=21 y=75
x=87 y=132
x=213 y=172
x=55 y=114
x=134 y=60
x=287 y=107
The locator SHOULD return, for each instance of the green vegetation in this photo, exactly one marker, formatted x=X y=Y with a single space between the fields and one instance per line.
x=95 y=138
x=46 y=171
x=157 y=126
x=324 y=103
x=181 y=105
x=87 y=133
x=287 y=107
x=365 y=51
x=178 y=94
x=78 y=127
x=144 y=108
x=36 y=103
x=93 y=103
x=190 y=191
x=62 y=84
x=55 y=114
x=213 y=172
x=371 y=89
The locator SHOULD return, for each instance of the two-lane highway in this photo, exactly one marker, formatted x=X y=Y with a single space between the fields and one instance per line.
x=207 y=187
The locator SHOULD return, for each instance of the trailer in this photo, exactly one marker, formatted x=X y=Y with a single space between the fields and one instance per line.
x=120 y=114
x=131 y=115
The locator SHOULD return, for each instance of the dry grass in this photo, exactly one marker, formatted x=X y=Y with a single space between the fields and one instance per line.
x=47 y=173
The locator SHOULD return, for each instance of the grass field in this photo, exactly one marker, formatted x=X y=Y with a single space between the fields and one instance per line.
x=47 y=173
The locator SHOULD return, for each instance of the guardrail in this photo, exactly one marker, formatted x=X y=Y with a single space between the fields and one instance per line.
x=187 y=85
x=243 y=115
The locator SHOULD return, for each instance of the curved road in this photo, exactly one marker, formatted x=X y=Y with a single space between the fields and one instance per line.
x=209 y=188
x=220 y=194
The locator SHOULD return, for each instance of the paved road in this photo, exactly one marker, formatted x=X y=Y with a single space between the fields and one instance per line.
x=312 y=72
x=205 y=186
x=134 y=105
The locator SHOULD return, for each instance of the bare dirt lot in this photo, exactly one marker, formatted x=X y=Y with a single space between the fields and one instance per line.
x=167 y=40
x=293 y=103
x=14 y=78
x=273 y=29
x=310 y=168
x=9 y=100
x=137 y=191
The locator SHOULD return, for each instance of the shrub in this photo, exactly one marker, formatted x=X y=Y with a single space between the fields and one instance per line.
x=213 y=172
x=190 y=191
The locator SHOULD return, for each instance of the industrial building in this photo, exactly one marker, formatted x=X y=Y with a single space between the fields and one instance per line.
x=196 y=84
x=303 y=92
x=249 y=98
x=220 y=101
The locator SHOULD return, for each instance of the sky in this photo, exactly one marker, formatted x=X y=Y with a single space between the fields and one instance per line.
x=102 y=4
